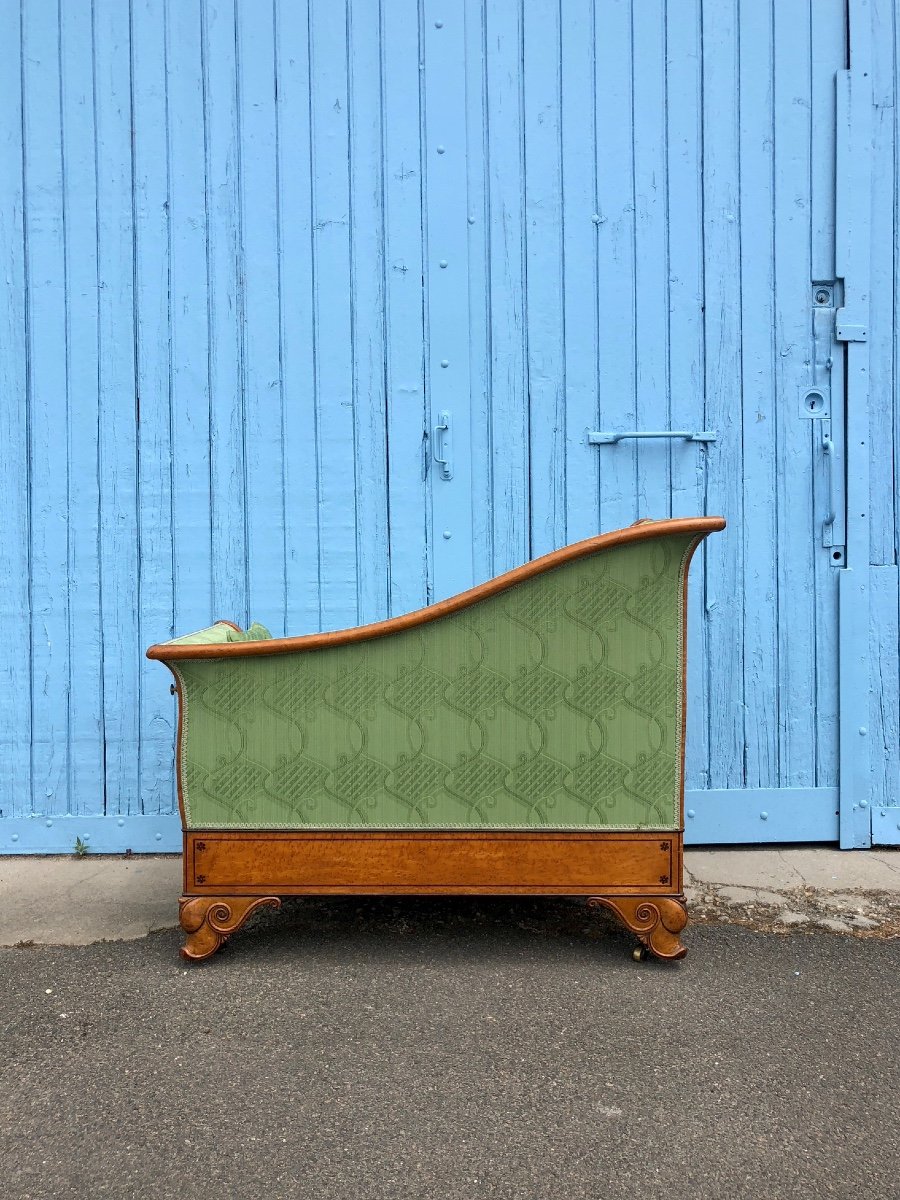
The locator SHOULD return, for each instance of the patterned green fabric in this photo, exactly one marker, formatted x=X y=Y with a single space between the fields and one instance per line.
x=555 y=704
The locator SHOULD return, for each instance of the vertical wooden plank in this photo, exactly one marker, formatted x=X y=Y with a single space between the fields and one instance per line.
x=48 y=408
x=478 y=221
x=296 y=333
x=651 y=262
x=894 y=173
x=544 y=277
x=722 y=331
x=884 y=642
x=367 y=271
x=331 y=249
x=15 y=652
x=685 y=325
x=404 y=328
x=581 y=298
x=150 y=201
x=444 y=155
x=118 y=439
x=80 y=215
x=615 y=255
x=262 y=383
x=797 y=527
x=225 y=313
x=759 y=532
x=829 y=55
x=190 y=329
x=853 y=255
x=508 y=371
x=828 y=33
x=883 y=446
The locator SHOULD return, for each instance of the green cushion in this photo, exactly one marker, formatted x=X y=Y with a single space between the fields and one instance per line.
x=256 y=633
x=221 y=632
x=555 y=704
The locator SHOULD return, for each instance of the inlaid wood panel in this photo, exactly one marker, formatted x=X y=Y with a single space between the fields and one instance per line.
x=429 y=863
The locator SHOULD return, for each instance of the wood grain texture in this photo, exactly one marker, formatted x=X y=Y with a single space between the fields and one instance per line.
x=48 y=434
x=657 y=922
x=210 y=921
x=262 y=863
x=15 y=458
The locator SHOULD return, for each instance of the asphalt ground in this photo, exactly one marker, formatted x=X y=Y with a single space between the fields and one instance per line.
x=366 y=1049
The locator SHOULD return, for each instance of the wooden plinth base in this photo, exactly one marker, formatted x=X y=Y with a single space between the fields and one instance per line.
x=229 y=875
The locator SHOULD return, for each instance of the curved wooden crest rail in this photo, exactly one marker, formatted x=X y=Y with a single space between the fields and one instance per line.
x=637 y=874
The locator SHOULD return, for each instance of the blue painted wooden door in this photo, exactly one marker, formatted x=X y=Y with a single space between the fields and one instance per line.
x=311 y=309
x=650 y=198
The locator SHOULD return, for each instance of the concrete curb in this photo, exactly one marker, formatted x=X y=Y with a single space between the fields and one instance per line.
x=779 y=889
x=77 y=901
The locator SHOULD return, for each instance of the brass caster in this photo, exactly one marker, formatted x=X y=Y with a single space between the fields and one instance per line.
x=639 y=953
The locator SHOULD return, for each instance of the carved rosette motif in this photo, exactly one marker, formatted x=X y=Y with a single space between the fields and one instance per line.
x=657 y=921
x=209 y=920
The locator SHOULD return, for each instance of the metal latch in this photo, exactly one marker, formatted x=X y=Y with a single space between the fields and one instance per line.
x=849 y=330
x=443 y=445
x=815 y=401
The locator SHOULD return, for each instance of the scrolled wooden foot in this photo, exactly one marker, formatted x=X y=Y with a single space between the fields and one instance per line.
x=209 y=920
x=657 y=920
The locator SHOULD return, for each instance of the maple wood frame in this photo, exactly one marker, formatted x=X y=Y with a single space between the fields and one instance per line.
x=638 y=875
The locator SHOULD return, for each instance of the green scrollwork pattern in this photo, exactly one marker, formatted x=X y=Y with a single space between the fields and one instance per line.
x=554 y=704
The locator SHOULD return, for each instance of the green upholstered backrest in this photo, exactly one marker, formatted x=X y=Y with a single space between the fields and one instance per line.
x=553 y=704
